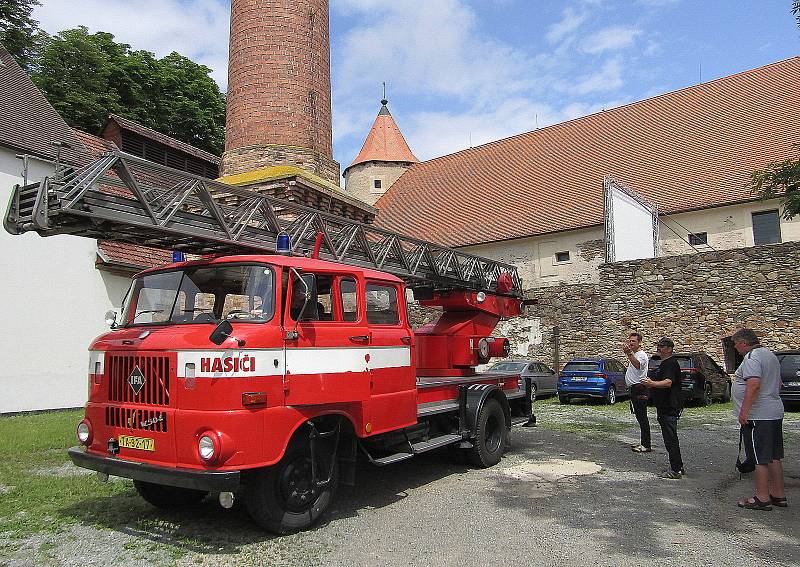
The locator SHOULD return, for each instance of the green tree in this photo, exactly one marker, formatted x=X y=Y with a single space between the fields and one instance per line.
x=87 y=76
x=780 y=179
x=19 y=32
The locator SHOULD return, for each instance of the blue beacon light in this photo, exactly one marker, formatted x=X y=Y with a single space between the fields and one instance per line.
x=284 y=244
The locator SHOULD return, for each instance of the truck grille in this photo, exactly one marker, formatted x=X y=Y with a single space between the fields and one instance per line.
x=148 y=420
x=156 y=372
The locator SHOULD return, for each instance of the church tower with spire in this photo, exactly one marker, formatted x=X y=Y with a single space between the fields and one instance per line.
x=384 y=157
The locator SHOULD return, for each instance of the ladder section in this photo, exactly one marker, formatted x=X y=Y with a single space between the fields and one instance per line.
x=123 y=198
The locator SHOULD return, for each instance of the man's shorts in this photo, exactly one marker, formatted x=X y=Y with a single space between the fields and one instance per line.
x=763 y=440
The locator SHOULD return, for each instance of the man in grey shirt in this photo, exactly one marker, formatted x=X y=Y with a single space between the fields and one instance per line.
x=758 y=407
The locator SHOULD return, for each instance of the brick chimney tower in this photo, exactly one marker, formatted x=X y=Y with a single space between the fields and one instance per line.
x=279 y=88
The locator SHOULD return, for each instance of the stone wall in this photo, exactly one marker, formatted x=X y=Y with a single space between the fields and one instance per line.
x=697 y=300
x=262 y=156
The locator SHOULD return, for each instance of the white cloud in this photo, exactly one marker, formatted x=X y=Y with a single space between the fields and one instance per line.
x=611 y=38
x=570 y=21
x=197 y=29
x=608 y=78
x=432 y=134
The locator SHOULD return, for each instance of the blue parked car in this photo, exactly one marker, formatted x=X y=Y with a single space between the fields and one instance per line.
x=593 y=378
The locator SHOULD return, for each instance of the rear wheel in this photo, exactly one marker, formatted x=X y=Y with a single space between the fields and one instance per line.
x=491 y=435
x=611 y=395
x=563 y=399
x=707 y=398
x=283 y=498
x=168 y=497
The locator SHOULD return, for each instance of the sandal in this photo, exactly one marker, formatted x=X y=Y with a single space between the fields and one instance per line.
x=756 y=504
x=779 y=501
x=641 y=449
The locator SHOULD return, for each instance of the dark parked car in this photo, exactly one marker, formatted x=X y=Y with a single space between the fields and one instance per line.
x=790 y=374
x=543 y=378
x=592 y=377
x=703 y=380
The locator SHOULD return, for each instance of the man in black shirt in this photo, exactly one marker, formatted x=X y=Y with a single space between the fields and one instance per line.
x=666 y=394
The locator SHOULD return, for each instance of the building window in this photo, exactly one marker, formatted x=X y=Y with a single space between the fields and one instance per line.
x=562 y=257
x=377 y=184
x=766 y=227
x=698 y=238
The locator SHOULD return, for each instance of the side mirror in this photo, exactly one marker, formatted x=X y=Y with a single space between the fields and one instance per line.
x=111 y=318
x=221 y=332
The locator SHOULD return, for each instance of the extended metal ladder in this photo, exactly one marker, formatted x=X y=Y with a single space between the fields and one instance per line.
x=123 y=198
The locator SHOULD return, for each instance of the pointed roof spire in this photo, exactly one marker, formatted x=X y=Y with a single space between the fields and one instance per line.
x=385 y=142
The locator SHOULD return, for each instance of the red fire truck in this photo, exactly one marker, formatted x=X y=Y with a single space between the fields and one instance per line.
x=283 y=353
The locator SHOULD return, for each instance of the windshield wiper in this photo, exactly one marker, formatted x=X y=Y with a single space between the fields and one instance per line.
x=147 y=311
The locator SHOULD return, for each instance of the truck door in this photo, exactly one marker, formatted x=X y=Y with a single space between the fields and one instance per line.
x=393 y=396
x=327 y=361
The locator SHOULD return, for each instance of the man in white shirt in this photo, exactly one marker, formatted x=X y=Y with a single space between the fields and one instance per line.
x=637 y=369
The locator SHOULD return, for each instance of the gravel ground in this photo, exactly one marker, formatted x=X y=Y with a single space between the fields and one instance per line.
x=570 y=492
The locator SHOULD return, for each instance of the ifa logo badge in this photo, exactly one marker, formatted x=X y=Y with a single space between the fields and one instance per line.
x=136 y=380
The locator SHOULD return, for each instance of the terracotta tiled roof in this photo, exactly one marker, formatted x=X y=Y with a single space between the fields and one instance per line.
x=131 y=256
x=689 y=149
x=127 y=124
x=95 y=145
x=384 y=142
x=28 y=123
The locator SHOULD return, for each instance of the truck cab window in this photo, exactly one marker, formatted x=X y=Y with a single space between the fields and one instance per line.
x=382 y=304
x=349 y=293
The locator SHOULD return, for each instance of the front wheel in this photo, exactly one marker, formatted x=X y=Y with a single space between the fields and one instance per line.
x=611 y=395
x=168 y=497
x=283 y=498
x=491 y=436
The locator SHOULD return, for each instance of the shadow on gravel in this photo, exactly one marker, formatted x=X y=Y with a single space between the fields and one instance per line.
x=207 y=528
x=639 y=515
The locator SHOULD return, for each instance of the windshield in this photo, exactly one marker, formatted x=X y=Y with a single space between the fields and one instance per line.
x=509 y=367
x=204 y=294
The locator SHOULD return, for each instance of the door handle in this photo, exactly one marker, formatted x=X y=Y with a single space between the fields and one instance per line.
x=406 y=340
x=359 y=338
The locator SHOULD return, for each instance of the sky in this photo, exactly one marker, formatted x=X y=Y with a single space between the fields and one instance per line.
x=461 y=73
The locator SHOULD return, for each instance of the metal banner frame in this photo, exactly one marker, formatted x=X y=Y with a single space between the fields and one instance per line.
x=610 y=183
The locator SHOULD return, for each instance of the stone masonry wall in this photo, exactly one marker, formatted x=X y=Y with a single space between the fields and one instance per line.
x=697 y=300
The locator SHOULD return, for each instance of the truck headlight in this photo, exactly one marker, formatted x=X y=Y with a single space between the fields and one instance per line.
x=84 y=432
x=208 y=447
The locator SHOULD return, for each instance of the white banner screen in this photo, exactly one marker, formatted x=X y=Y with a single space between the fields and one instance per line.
x=631 y=224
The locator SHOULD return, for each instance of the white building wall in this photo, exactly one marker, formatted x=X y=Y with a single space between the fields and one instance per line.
x=53 y=300
x=535 y=257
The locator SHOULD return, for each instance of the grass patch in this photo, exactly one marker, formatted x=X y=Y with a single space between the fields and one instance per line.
x=37 y=502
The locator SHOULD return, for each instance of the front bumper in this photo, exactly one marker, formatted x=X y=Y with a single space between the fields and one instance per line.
x=792 y=395
x=211 y=481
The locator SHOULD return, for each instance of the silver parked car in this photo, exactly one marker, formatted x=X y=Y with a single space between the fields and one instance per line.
x=544 y=380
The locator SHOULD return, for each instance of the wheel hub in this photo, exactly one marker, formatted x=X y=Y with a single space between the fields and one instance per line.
x=296 y=485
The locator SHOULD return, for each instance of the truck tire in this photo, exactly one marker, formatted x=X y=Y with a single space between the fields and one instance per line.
x=168 y=497
x=490 y=438
x=281 y=498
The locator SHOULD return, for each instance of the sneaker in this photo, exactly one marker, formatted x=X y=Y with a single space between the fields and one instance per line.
x=641 y=449
x=672 y=475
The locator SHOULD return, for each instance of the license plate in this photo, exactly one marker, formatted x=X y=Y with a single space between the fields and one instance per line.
x=793 y=384
x=139 y=443
x=579 y=379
